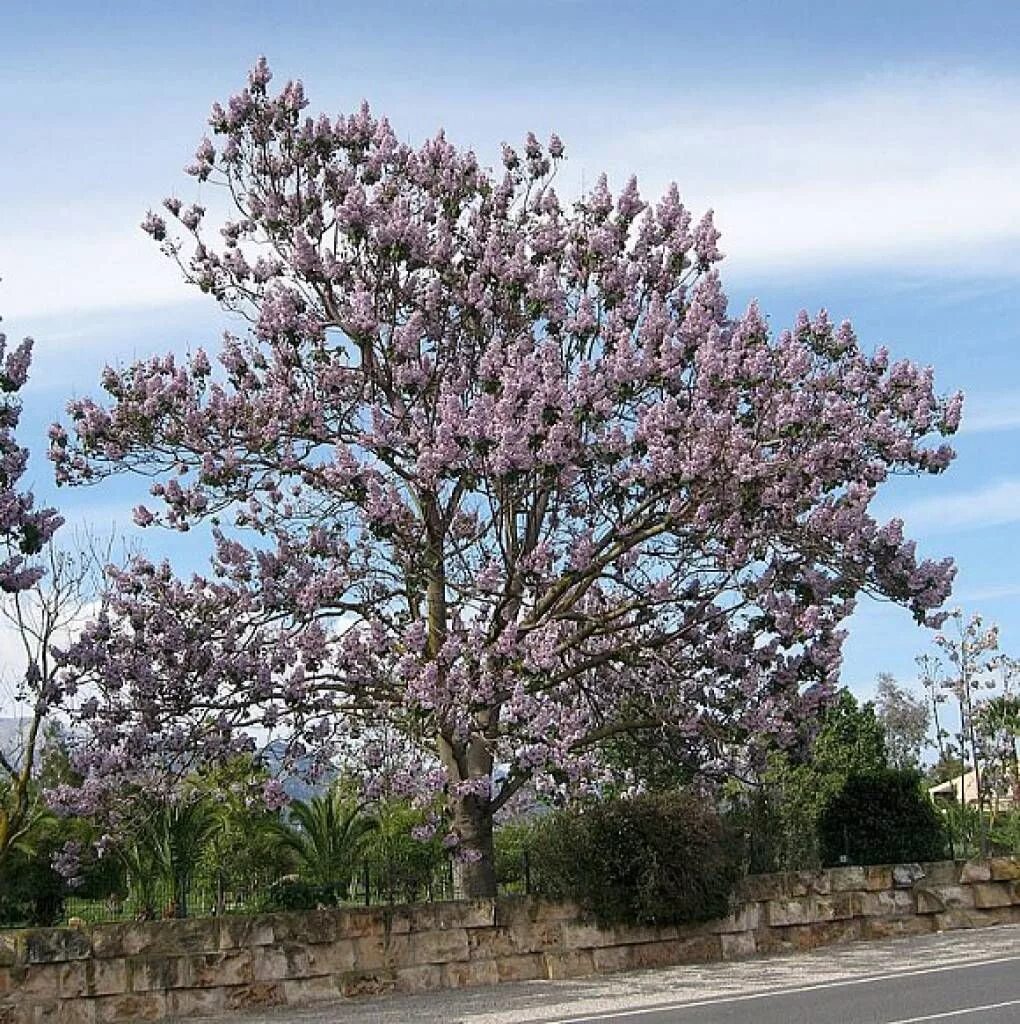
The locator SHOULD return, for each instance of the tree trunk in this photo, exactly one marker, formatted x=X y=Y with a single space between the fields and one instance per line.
x=474 y=870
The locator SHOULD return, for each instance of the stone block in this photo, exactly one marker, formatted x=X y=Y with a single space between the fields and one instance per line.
x=737 y=945
x=1014 y=891
x=800 y=938
x=904 y=876
x=807 y=883
x=661 y=954
x=39 y=981
x=107 y=977
x=275 y=963
x=373 y=952
x=72 y=981
x=132 y=1007
x=9 y=951
x=1004 y=869
x=54 y=945
x=424 y=978
x=961 y=917
x=76 y=1011
x=847 y=879
x=584 y=935
x=367 y=983
x=809 y=909
x=887 y=903
x=608 y=959
x=334 y=958
x=466 y=914
x=991 y=894
x=933 y=899
x=626 y=934
x=307 y=927
x=745 y=918
x=309 y=990
x=942 y=872
x=158 y=973
x=493 y=943
x=896 y=927
x=355 y=924
x=171 y=938
x=526 y=967
x=256 y=993
x=975 y=871
x=878 y=877
x=229 y=967
x=439 y=947
x=195 y=1002
x=238 y=932
x=575 y=963
x=464 y=975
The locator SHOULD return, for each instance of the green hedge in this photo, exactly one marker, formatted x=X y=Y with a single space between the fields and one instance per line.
x=881 y=817
x=661 y=858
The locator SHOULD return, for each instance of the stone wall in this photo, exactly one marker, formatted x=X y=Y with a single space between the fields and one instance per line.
x=150 y=971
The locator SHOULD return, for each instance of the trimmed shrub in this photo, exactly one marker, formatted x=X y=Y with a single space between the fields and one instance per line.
x=881 y=817
x=661 y=858
x=297 y=894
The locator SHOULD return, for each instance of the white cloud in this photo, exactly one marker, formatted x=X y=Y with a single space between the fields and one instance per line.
x=993 y=505
x=991 y=412
x=908 y=169
x=913 y=170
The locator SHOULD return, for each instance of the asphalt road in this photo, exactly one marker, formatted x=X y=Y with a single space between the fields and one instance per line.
x=970 y=977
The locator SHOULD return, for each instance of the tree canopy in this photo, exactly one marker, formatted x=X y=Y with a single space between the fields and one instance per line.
x=494 y=470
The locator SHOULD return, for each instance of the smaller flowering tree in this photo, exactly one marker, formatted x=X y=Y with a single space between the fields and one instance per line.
x=492 y=472
x=971 y=654
x=25 y=531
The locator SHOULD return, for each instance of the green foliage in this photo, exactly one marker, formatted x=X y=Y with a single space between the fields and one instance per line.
x=328 y=835
x=298 y=894
x=513 y=843
x=31 y=892
x=882 y=817
x=402 y=868
x=850 y=741
x=661 y=858
x=1005 y=835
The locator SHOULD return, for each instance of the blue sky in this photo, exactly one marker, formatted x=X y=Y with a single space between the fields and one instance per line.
x=864 y=158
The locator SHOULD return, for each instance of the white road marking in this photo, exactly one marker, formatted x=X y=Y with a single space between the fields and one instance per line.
x=868 y=980
x=957 y=1013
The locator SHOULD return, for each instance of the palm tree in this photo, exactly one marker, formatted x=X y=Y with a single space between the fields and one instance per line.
x=328 y=834
x=167 y=846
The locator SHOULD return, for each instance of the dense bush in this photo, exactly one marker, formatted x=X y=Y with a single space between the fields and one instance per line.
x=881 y=817
x=297 y=894
x=31 y=892
x=662 y=858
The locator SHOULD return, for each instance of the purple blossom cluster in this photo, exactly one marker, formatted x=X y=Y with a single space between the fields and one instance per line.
x=496 y=472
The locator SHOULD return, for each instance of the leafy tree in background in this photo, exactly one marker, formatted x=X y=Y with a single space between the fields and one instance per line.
x=849 y=742
x=880 y=817
x=491 y=469
x=25 y=532
x=905 y=719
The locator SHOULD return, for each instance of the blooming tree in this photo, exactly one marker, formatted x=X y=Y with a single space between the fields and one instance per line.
x=24 y=533
x=491 y=470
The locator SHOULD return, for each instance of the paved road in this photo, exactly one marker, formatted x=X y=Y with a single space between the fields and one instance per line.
x=970 y=977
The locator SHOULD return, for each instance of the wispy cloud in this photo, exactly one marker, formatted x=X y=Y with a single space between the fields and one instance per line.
x=991 y=412
x=905 y=171
x=916 y=168
x=993 y=505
